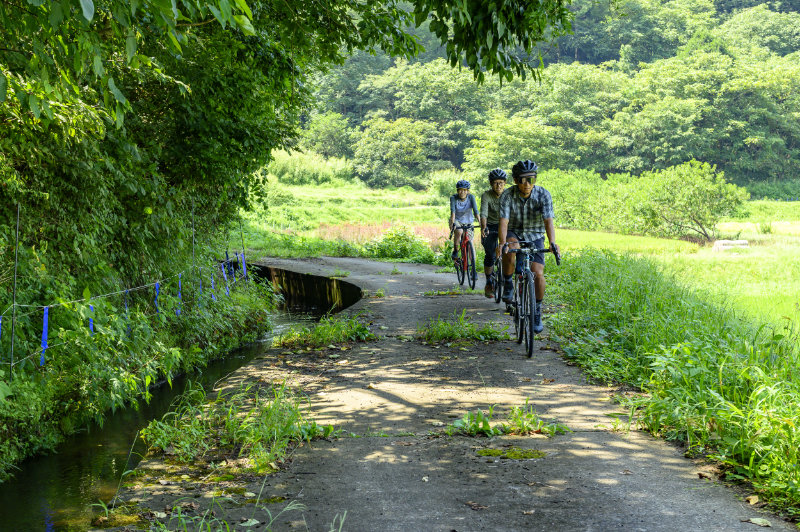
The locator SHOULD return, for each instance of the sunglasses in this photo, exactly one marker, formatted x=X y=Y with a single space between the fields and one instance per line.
x=527 y=180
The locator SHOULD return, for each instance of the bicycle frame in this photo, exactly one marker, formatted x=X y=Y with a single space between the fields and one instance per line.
x=524 y=302
x=465 y=262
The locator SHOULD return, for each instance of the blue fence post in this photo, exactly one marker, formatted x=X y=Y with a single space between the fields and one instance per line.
x=91 y=320
x=225 y=275
x=244 y=266
x=44 y=334
x=180 y=300
x=156 y=299
x=214 y=297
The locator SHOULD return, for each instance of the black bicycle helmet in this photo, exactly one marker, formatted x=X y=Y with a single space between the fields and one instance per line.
x=462 y=183
x=497 y=174
x=524 y=167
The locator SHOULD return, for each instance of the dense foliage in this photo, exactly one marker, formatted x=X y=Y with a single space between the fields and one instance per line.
x=641 y=85
x=131 y=130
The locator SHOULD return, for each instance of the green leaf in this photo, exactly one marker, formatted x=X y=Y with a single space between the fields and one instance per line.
x=225 y=8
x=245 y=8
x=244 y=24
x=5 y=391
x=56 y=14
x=88 y=9
x=116 y=92
x=97 y=66
x=34 y=104
x=174 y=40
x=130 y=46
x=3 y=87
x=217 y=15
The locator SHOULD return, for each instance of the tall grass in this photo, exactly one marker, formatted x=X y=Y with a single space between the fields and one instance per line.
x=716 y=381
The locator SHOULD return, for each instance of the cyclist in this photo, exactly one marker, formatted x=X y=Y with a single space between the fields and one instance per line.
x=526 y=213
x=490 y=218
x=464 y=210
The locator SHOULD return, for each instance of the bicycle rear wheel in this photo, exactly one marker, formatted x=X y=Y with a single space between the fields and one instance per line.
x=470 y=262
x=530 y=303
x=519 y=308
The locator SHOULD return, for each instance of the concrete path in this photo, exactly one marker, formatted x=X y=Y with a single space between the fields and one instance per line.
x=397 y=471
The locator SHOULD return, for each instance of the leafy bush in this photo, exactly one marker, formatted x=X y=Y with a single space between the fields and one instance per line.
x=400 y=152
x=309 y=168
x=400 y=242
x=690 y=198
x=442 y=185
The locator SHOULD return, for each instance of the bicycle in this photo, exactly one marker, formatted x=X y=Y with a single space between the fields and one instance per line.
x=465 y=262
x=496 y=278
x=524 y=305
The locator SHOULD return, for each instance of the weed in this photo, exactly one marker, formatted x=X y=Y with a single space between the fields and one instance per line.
x=395 y=271
x=460 y=328
x=330 y=330
x=525 y=420
x=474 y=424
x=339 y=273
x=246 y=423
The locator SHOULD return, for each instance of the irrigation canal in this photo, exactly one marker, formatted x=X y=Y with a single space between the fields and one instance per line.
x=62 y=491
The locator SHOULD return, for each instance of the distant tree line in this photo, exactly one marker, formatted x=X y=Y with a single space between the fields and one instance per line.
x=640 y=85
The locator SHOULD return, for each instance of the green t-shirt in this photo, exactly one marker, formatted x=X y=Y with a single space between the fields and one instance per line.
x=490 y=207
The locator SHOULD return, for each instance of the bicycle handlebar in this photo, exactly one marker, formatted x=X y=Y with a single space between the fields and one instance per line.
x=526 y=246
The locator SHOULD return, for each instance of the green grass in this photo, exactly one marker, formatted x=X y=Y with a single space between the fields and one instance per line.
x=330 y=330
x=249 y=423
x=720 y=383
x=458 y=329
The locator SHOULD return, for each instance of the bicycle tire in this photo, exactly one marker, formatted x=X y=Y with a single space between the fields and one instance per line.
x=519 y=309
x=497 y=279
x=530 y=307
x=459 y=270
x=470 y=269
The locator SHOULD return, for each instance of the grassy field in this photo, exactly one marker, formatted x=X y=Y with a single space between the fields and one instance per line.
x=761 y=281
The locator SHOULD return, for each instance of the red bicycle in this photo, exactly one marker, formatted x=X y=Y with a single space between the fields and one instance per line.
x=465 y=261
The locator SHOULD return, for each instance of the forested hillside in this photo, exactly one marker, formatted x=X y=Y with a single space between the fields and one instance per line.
x=640 y=85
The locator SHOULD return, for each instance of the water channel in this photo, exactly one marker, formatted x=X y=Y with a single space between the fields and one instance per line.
x=56 y=492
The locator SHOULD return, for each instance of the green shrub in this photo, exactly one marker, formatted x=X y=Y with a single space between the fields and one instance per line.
x=400 y=242
x=442 y=184
x=309 y=168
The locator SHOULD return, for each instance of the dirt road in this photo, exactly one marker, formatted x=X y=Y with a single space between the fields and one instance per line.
x=398 y=471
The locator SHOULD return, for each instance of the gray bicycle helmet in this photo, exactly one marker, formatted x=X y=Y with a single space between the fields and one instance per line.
x=497 y=174
x=524 y=167
x=462 y=183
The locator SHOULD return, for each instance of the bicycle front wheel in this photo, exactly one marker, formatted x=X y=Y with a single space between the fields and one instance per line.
x=530 y=304
x=519 y=308
x=459 y=264
x=498 y=281
x=470 y=262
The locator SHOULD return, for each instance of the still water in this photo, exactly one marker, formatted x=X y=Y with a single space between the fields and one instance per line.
x=56 y=492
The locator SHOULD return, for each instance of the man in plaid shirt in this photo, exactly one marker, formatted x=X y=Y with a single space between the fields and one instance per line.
x=526 y=213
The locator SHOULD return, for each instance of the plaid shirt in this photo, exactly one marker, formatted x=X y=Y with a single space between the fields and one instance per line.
x=526 y=215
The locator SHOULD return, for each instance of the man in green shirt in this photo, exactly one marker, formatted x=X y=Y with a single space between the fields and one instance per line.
x=490 y=218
